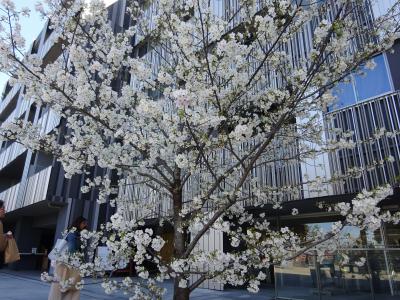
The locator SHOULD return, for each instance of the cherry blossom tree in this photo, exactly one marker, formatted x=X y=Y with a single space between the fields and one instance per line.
x=187 y=127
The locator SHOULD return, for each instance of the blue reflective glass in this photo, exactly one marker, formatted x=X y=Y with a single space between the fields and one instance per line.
x=375 y=82
x=344 y=95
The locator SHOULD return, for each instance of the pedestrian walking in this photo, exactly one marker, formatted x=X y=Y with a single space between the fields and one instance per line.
x=8 y=247
x=65 y=272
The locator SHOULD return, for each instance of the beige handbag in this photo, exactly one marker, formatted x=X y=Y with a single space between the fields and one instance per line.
x=11 y=253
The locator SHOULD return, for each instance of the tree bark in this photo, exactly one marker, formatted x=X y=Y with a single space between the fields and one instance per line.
x=180 y=236
x=180 y=293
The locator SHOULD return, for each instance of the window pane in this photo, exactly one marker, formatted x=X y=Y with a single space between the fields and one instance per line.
x=375 y=82
x=344 y=95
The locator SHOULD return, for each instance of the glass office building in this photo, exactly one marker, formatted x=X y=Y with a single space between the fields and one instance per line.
x=368 y=268
x=368 y=106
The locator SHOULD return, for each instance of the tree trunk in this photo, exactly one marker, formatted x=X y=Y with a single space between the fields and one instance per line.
x=180 y=293
x=180 y=236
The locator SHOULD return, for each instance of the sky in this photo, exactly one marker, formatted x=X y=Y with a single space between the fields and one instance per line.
x=31 y=27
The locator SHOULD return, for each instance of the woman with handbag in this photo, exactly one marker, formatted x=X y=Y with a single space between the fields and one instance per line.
x=64 y=272
x=8 y=246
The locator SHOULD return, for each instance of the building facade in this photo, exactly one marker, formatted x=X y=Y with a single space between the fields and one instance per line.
x=368 y=108
x=40 y=202
x=367 y=111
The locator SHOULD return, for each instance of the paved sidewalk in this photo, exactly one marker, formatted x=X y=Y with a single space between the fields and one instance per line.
x=25 y=285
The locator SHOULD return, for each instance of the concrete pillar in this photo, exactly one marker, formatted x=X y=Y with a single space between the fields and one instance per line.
x=63 y=219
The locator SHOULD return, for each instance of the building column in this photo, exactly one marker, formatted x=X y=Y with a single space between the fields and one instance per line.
x=63 y=218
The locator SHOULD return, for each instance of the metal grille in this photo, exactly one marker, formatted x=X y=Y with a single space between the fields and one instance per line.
x=376 y=127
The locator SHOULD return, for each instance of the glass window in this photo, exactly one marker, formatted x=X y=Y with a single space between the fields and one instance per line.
x=392 y=235
x=360 y=87
x=351 y=236
x=344 y=93
x=373 y=82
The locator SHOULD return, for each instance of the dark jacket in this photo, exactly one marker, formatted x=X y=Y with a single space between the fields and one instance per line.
x=74 y=242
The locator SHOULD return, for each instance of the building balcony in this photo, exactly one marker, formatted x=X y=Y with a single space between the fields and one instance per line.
x=8 y=99
x=25 y=104
x=36 y=187
x=35 y=191
x=10 y=118
x=10 y=197
x=49 y=121
x=10 y=153
x=47 y=45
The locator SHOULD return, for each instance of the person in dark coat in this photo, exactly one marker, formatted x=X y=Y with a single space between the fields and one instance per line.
x=63 y=271
x=4 y=237
x=73 y=237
